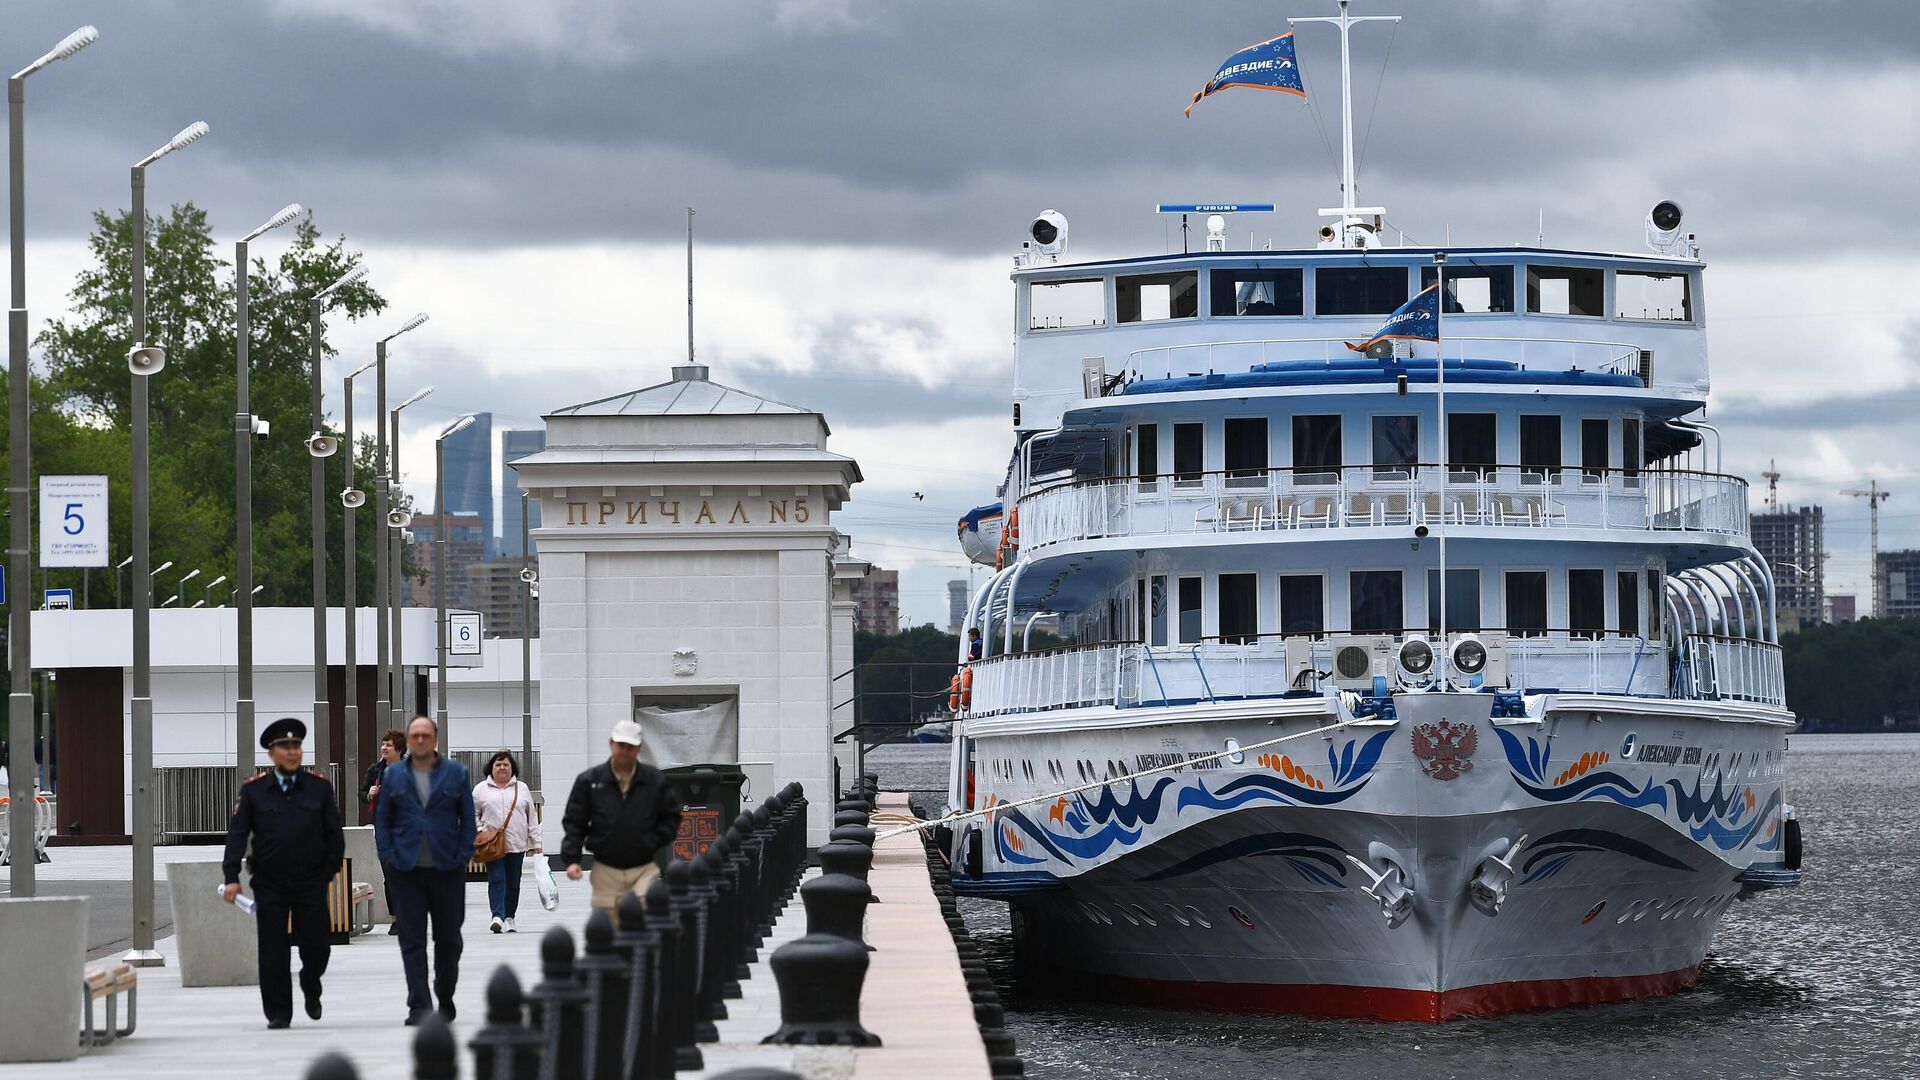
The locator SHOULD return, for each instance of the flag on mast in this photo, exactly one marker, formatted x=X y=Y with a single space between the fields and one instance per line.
x=1269 y=65
x=1416 y=320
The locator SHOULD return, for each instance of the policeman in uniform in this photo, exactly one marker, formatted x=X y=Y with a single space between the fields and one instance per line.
x=294 y=821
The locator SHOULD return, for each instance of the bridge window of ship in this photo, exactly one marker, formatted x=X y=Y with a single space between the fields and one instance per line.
x=1376 y=602
x=1316 y=450
x=1067 y=305
x=1189 y=452
x=1566 y=290
x=1239 y=604
x=1192 y=589
x=1358 y=290
x=1475 y=290
x=1473 y=448
x=1627 y=601
x=1246 y=451
x=1587 y=602
x=1146 y=456
x=1257 y=292
x=1593 y=449
x=1303 y=605
x=1660 y=297
x=1526 y=603
x=1156 y=297
x=1396 y=447
x=1463 y=599
x=1539 y=449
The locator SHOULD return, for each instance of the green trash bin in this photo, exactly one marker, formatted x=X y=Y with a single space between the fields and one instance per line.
x=709 y=798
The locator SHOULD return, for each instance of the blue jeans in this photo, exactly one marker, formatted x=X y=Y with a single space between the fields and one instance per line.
x=503 y=884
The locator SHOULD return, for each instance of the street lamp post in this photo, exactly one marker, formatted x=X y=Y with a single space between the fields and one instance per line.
x=440 y=568
x=396 y=565
x=351 y=499
x=20 y=810
x=383 y=702
x=144 y=361
x=243 y=434
x=212 y=585
x=122 y=565
x=528 y=579
x=320 y=447
x=180 y=590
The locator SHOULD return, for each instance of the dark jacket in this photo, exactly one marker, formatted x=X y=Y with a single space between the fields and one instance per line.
x=621 y=832
x=296 y=834
x=374 y=772
x=446 y=820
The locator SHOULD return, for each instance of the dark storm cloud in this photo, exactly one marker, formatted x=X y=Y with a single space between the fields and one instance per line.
x=930 y=125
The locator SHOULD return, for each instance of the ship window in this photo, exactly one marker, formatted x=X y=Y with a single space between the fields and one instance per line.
x=1359 y=290
x=1239 y=608
x=1630 y=447
x=1539 y=444
x=1566 y=290
x=1246 y=449
x=1652 y=296
x=1155 y=605
x=1587 y=602
x=1593 y=448
x=1303 y=607
x=1655 y=612
x=1463 y=600
x=1396 y=446
x=1475 y=290
x=1472 y=446
x=1190 y=592
x=1152 y=297
x=1067 y=305
x=1375 y=604
x=1627 y=590
x=1189 y=443
x=1316 y=449
x=1257 y=292
x=1147 y=453
x=1526 y=603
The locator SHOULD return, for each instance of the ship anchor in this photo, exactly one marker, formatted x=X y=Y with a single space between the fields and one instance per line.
x=1388 y=888
x=1488 y=889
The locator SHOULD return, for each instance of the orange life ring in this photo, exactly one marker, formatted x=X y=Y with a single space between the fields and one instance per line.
x=966 y=687
x=953 y=693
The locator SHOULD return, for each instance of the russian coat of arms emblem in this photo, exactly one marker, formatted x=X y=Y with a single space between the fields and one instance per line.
x=1445 y=749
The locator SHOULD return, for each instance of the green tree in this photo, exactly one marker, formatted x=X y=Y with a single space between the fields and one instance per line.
x=82 y=411
x=900 y=677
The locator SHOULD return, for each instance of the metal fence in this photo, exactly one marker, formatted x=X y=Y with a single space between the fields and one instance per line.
x=193 y=802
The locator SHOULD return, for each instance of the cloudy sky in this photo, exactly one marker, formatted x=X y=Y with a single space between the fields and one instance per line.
x=863 y=171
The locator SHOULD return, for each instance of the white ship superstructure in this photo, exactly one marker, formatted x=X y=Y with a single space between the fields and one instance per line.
x=1538 y=653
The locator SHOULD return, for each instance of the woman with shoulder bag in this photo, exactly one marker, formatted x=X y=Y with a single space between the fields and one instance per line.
x=508 y=833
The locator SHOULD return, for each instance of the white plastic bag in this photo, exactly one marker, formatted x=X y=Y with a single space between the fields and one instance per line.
x=543 y=881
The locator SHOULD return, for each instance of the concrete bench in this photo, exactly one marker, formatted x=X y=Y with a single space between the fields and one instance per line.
x=43 y=951
x=109 y=984
x=215 y=943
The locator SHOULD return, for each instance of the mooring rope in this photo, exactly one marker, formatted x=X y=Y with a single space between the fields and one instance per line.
x=909 y=823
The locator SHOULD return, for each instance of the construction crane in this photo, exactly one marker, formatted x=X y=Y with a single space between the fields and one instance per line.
x=1874 y=495
x=1772 y=476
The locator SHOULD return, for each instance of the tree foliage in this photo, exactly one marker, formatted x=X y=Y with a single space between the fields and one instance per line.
x=83 y=406
x=899 y=677
x=1854 y=676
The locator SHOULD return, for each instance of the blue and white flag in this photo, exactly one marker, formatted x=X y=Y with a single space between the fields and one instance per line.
x=1416 y=320
x=1267 y=66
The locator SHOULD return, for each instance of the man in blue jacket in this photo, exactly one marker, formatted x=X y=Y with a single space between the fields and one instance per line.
x=423 y=830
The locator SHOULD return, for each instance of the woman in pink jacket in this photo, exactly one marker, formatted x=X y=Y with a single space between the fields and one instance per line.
x=502 y=801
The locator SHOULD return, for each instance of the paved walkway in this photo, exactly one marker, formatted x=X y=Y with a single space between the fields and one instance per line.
x=915 y=997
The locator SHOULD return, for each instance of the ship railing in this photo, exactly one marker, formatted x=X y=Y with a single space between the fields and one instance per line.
x=1130 y=674
x=1208 y=357
x=1714 y=667
x=1385 y=496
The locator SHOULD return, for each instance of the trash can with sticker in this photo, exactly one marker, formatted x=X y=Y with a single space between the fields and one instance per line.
x=709 y=798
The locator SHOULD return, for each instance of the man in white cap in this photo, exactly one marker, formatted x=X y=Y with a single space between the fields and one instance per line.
x=621 y=811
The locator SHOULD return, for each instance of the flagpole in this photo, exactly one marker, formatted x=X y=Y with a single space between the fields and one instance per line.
x=1440 y=369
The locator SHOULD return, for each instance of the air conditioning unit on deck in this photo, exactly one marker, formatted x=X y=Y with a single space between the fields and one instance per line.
x=1358 y=658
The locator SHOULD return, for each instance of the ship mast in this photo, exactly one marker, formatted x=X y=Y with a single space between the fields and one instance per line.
x=1349 y=184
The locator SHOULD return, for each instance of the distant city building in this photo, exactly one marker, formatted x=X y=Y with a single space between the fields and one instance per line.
x=1898 y=575
x=469 y=480
x=958 y=597
x=499 y=595
x=513 y=446
x=1840 y=610
x=466 y=548
x=877 y=602
x=1793 y=542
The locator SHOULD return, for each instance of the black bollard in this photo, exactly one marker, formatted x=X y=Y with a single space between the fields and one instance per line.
x=859 y=834
x=668 y=1002
x=557 y=1006
x=846 y=857
x=700 y=893
x=638 y=943
x=435 y=1055
x=726 y=900
x=764 y=876
x=850 y=817
x=332 y=1067
x=505 y=1048
x=604 y=976
x=747 y=853
x=684 y=982
x=854 y=805
x=820 y=976
x=837 y=904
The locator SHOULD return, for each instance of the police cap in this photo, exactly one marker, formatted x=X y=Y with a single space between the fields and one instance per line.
x=283 y=731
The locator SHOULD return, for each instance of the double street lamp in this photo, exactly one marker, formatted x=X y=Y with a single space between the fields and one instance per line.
x=352 y=499
x=20 y=810
x=399 y=518
x=440 y=566
x=384 y=685
x=144 y=361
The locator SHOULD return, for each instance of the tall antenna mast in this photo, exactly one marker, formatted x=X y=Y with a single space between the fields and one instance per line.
x=1772 y=476
x=689 y=284
x=1349 y=183
x=1874 y=496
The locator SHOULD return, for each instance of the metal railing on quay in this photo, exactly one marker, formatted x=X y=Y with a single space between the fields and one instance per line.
x=1208 y=357
x=1379 y=496
x=196 y=801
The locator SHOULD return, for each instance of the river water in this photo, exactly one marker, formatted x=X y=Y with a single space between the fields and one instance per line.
x=1818 y=981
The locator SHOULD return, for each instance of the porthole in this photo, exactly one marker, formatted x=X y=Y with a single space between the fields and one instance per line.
x=1081 y=768
x=1240 y=917
x=1145 y=917
x=1593 y=913
x=1177 y=917
x=1650 y=907
x=1127 y=915
x=1199 y=918
x=1094 y=914
x=1630 y=911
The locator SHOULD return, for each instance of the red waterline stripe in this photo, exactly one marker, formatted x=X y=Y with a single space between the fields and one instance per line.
x=1389 y=1003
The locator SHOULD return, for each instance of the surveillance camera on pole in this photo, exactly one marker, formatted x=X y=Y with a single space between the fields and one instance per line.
x=261 y=429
